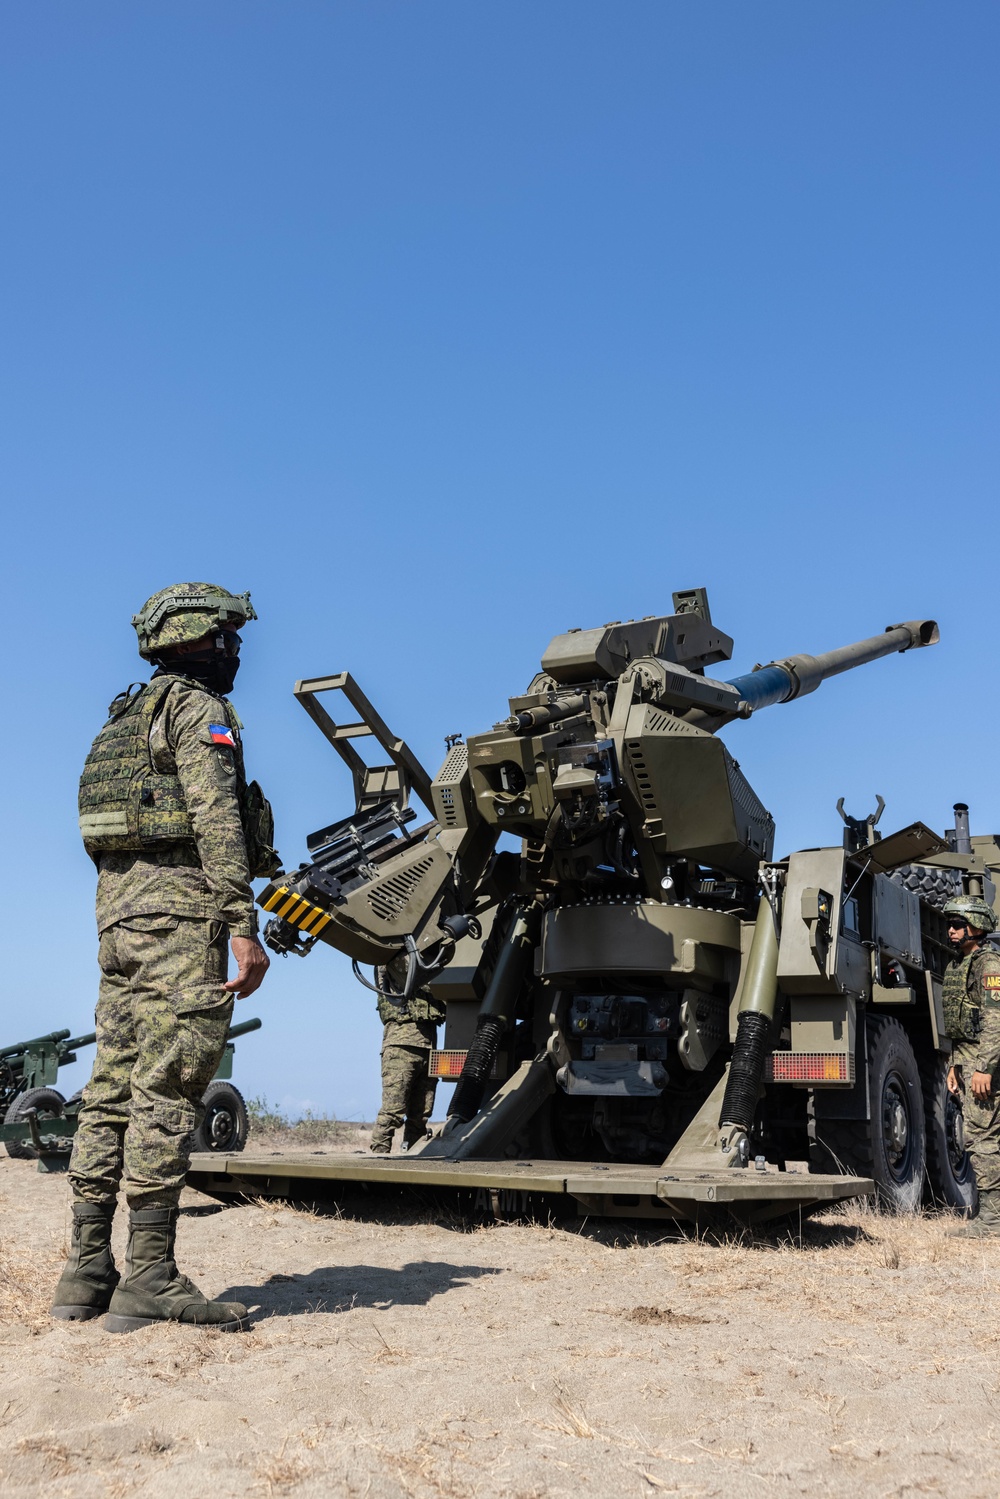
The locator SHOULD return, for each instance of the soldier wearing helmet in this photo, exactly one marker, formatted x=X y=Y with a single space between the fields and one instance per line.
x=971 y=1001
x=177 y=834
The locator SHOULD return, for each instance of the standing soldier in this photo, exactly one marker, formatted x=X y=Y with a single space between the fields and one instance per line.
x=177 y=834
x=971 y=1002
x=407 y=1086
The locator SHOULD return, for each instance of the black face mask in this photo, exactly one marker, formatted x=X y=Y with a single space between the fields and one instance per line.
x=213 y=669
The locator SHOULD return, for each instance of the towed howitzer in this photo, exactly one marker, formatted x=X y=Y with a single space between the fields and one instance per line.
x=39 y=1122
x=643 y=981
x=27 y=1065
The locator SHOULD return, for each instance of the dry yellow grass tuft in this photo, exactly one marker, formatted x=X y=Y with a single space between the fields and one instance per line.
x=27 y=1279
x=279 y=1473
x=58 y=1458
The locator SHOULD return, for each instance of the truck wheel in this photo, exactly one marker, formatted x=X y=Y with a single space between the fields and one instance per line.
x=224 y=1127
x=891 y=1146
x=949 y=1170
x=48 y=1101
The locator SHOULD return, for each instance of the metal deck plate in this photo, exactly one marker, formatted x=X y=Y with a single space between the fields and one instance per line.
x=596 y=1188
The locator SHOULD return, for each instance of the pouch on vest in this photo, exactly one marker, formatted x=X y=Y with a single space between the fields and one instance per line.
x=962 y=1017
x=258 y=830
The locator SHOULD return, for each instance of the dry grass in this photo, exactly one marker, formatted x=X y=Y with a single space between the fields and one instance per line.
x=579 y=1360
x=573 y=1423
x=272 y=1130
x=27 y=1280
x=279 y=1473
x=645 y=1315
x=58 y=1458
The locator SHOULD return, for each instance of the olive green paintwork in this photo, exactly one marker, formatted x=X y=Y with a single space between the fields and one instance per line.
x=669 y=955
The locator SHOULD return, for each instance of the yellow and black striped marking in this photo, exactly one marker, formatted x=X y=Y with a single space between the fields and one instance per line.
x=294 y=909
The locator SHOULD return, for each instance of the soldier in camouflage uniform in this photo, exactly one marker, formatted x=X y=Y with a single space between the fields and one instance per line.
x=408 y=1090
x=177 y=834
x=971 y=1001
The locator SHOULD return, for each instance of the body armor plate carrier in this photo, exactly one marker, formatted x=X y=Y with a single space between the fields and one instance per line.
x=959 y=999
x=127 y=806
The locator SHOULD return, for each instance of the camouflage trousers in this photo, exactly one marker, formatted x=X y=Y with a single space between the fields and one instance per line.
x=162 y=1018
x=982 y=1123
x=407 y=1095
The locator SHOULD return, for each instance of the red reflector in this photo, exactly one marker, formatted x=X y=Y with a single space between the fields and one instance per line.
x=811 y=1067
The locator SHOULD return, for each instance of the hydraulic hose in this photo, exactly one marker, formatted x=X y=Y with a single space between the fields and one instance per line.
x=496 y=1013
x=753 y=1024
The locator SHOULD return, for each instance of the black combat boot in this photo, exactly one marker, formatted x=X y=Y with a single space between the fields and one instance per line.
x=154 y=1289
x=89 y=1277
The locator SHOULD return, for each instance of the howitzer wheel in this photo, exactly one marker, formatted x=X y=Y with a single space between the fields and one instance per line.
x=890 y=1146
x=225 y=1125
x=951 y=1178
x=49 y=1104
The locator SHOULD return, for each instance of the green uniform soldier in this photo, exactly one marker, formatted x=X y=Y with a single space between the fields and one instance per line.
x=177 y=834
x=407 y=1087
x=971 y=1001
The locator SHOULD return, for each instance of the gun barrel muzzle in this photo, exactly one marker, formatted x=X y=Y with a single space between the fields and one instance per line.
x=794 y=676
x=243 y=1029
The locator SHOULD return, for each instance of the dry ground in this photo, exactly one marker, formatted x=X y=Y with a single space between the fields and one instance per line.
x=420 y=1359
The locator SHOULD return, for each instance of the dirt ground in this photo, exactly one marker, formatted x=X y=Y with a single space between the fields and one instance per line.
x=420 y=1358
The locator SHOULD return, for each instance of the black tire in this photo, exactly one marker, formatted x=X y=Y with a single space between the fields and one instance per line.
x=48 y=1101
x=891 y=1147
x=950 y=1177
x=224 y=1127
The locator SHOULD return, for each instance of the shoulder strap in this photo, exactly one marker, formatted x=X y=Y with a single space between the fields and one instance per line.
x=121 y=704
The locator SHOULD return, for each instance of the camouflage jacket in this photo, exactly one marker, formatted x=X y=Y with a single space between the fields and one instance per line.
x=209 y=877
x=971 y=1001
x=407 y=1032
x=411 y=1022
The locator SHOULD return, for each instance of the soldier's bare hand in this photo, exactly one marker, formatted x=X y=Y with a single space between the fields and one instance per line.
x=953 y=1086
x=253 y=962
x=982 y=1087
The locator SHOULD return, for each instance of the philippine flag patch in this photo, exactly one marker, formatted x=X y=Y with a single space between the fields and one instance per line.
x=221 y=734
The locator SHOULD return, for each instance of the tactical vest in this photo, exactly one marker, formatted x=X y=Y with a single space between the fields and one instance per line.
x=963 y=1016
x=126 y=806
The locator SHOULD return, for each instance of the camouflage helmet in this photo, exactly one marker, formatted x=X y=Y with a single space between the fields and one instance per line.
x=186 y=612
x=974 y=912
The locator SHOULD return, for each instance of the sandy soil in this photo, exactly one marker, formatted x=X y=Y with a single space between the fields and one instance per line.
x=419 y=1358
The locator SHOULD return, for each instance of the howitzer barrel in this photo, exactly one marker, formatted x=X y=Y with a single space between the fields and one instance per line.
x=780 y=681
x=243 y=1029
x=10 y=1051
x=80 y=1041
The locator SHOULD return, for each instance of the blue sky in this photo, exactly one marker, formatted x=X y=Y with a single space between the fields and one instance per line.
x=443 y=327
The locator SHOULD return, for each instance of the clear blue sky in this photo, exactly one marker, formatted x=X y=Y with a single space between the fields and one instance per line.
x=444 y=326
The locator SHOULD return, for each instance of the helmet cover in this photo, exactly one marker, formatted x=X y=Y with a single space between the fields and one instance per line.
x=974 y=912
x=186 y=612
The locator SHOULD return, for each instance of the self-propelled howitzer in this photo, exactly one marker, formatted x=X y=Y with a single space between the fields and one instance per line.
x=619 y=989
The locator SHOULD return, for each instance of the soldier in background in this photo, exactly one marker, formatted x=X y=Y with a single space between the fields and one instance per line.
x=177 y=834
x=408 y=1089
x=971 y=1001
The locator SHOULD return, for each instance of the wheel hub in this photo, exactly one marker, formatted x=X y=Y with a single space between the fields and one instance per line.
x=221 y=1128
x=896 y=1125
x=954 y=1129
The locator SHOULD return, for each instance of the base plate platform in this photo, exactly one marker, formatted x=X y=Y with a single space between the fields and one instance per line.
x=531 y=1187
